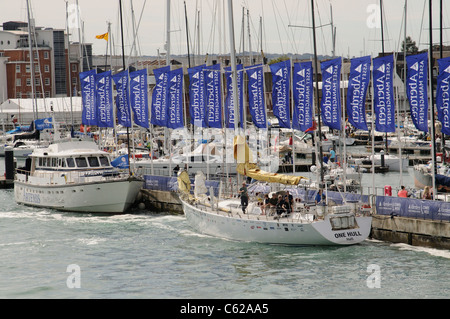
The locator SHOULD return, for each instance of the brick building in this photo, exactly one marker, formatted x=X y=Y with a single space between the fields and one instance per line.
x=54 y=75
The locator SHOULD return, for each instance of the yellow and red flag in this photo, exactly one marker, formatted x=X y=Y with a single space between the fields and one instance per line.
x=102 y=36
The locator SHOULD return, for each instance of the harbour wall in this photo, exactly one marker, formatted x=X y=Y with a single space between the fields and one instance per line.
x=411 y=231
x=160 y=193
x=412 y=221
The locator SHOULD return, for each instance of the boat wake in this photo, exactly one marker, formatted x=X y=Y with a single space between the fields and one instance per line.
x=431 y=251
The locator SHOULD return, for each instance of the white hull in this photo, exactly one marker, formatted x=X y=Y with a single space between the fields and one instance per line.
x=391 y=161
x=114 y=196
x=264 y=229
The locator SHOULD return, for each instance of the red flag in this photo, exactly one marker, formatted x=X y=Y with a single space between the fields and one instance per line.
x=313 y=127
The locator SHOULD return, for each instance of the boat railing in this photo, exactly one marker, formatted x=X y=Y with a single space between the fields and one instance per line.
x=69 y=177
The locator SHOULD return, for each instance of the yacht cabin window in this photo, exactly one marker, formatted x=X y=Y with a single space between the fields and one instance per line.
x=93 y=161
x=81 y=162
x=70 y=162
x=104 y=161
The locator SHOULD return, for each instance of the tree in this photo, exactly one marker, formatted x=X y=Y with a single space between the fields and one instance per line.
x=279 y=59
x=411 y=46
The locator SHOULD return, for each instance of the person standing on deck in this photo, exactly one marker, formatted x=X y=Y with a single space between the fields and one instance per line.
x=244 y=196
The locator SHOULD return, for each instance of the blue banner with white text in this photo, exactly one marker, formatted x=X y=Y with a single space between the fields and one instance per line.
x=89 y=113
x=213 y=96
x=123 y=98
x=175 y=107
x=104 y=99
x=443 y=94
x=281 y=74
x=302 y=118
x=330 y=103
x=413 y=208
x=358 y=84
x=139 y=97
x=417 y=89
x=256 y=96
x=229 y=102
x=384 y=106
x=159 y=96
x=43 y=124
x=197 y=96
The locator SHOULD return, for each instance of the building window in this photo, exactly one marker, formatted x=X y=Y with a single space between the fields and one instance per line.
x=18 y=82
x=28 y=82
x=47 y=94
x=74 y=81
x=46 y=55
x=47 y=81
x=37 y=82
x=27 y=68
x=17 y=68
x=74 y=68
x=36 y=69
x=47 y=68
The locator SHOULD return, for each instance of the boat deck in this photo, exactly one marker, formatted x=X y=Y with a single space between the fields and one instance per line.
x=232 y=208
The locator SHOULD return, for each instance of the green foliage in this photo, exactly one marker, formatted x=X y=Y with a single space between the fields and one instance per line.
x=279 y=59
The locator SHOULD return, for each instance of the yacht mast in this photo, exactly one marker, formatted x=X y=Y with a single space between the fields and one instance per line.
x=30 y=47
x=316 y=68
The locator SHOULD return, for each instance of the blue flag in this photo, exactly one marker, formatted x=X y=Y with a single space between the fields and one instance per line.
x=229 y=102
x=123 y=98
x=197 y=95
x=175 y=99
x=416 y=89
x=43 y=124
x=256 y=96
x=384 y=93
x=281 y=75
x=89 y=114
x=443 y=94
x=330 y=103
x=104 y=99
x=120 y=162
x=358 y=83
x=139 y=97
x=159 y=97
x=213 y=96
x=302 y=118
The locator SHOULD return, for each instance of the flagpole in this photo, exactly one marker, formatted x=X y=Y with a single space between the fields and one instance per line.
x=433 y=135
x=291 y=109
x=317 y=96
x=124 y=67
x=400 y=159
x=68 y=58
x=373 y=131
x=344 y=157
x=234 y=71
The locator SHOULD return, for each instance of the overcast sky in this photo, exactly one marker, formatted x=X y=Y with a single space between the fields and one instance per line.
x=357 y=24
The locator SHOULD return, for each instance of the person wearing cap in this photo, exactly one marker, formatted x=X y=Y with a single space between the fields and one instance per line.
x=244 y=196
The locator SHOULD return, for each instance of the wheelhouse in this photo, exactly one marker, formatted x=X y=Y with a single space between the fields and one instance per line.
x=92 y=161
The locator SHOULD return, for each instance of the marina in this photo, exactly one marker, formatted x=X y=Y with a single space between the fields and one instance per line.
x=236 y=176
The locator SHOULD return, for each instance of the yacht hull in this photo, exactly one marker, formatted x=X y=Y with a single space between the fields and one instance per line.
x=114 y=196
x=270 y=231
